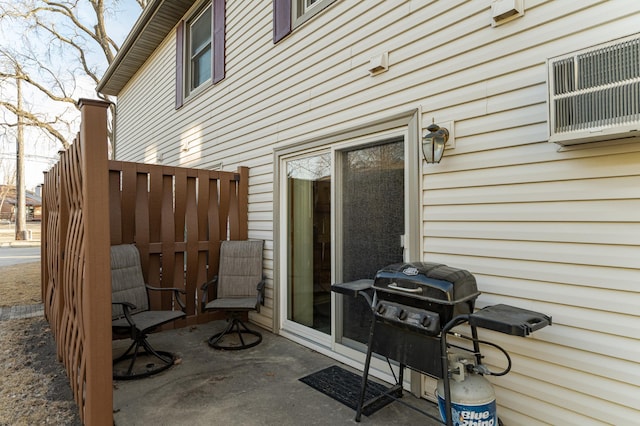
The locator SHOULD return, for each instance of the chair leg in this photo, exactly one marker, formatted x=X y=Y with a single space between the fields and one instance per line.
x=235 y=326
x=158 y=354
x=166 y=358
x=124 y=355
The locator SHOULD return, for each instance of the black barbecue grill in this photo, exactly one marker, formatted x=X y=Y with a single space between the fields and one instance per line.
x=415 y=305
x=412 y=302
x=432 y=291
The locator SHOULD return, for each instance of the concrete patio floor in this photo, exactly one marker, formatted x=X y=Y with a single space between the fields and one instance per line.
x=256 y=386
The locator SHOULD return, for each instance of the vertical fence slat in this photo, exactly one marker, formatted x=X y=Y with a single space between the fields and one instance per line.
x=142 y=220
x=44 y=255
x=129 y=175
x=71 y=282
x=214 y=216
x=223 y=209
x=179 y=207
x=168 y=237
x=61 y=306
x=115 y=218
x=234 y=225
x=63 y=219
x=155 y=233
x=193 y=258
x=203 y=229
x=180 y=202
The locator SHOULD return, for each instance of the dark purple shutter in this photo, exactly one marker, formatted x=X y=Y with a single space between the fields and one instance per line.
x=281 y=19
x=218 y=40
x=179 y=64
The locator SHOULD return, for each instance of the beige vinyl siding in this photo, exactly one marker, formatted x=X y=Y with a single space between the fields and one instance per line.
x=556 y=231
x=548 y=229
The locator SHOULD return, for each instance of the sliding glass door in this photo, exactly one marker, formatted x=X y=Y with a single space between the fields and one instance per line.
x=343 y=219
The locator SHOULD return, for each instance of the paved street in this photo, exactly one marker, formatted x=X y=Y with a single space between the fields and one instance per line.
x=15 y=255
x=12 y=253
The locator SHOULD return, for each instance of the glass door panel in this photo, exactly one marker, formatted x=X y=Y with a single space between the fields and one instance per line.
x=309 y=242
x=371 y=223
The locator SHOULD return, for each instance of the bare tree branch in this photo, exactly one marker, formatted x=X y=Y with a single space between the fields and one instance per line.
x=79 y=50
x=33 y=120
x=26 y=78
x=53 y=29
x=49 y=51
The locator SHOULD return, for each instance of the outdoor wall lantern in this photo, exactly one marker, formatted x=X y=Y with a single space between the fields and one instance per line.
x=433 y=143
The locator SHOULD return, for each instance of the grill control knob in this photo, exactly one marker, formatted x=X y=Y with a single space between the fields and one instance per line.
x=381 y=309
x=402 y=315
x=426 y=322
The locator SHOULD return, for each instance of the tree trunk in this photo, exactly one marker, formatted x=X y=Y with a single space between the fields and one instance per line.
x=21 y=202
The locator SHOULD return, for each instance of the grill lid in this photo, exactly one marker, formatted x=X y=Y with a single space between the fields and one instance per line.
x=431 y=282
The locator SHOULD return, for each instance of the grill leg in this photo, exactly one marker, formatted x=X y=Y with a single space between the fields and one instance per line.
x=365 y=373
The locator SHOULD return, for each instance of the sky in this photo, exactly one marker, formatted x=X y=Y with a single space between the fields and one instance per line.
x=41 y=154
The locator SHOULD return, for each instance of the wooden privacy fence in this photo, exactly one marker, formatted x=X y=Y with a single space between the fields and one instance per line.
x=175 y=216
x=76 y=276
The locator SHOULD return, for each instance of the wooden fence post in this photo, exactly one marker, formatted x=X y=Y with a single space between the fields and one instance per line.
x=96 y=295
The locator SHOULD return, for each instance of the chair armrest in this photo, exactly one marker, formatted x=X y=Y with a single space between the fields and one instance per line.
x=126 y=310
x=176 y=294
x=179 y=290
x=205 y=291
x=260 y=288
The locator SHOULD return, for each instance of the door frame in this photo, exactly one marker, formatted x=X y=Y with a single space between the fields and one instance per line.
x=405 y=124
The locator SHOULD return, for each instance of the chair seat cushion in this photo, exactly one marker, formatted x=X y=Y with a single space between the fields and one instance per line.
x=233 y=303
x=144 y=321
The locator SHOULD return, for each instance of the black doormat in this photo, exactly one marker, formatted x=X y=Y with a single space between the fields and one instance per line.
x=344 y=386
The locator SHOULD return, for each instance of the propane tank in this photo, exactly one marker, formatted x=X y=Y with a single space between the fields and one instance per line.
x=473 y=401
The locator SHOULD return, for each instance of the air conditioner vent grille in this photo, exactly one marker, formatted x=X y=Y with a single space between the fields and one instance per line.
x=564 y=76
x=611 y=106
x=609 y=65
x=594 y=94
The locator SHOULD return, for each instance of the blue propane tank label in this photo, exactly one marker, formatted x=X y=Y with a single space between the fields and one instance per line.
x=470 y=415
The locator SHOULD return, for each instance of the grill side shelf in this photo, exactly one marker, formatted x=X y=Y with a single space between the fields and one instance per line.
x=509 y=320
x=352 y=288
x=355 y=289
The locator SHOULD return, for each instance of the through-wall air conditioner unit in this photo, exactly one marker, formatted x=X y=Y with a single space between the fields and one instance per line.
x=594 y=94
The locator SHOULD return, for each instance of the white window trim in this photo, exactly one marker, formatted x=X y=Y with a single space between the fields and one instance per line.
x=189 y=90
x=300 y=13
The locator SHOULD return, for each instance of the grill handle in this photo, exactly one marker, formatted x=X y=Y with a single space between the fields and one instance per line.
x=395 y=286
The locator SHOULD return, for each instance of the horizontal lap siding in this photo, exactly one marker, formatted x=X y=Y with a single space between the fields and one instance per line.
x=555 y=232
x=560 y=237
x=551 y=230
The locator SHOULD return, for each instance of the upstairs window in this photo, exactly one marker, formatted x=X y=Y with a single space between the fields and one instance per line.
x=288 y=14
x=303 y=7
x=199 y=47
x=200 y=50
